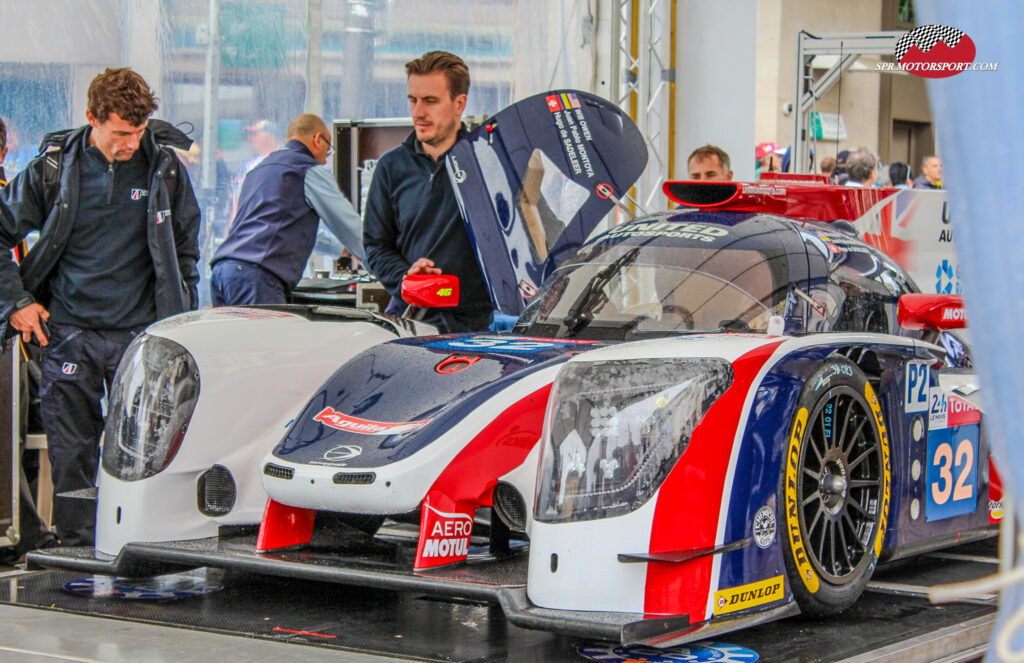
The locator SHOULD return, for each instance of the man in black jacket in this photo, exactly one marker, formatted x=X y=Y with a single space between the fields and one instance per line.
x=412 y=223
x=117 y=249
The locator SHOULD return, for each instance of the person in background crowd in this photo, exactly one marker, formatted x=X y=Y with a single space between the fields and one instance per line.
x=839 y=175
x=280 y=207
x=119 y=253
x=931 y=174
x=769 y=158
x=899 y=175
x=264 y=137
x=709 y=163
x=862 y=170
x=412 y=223
x=828 y=167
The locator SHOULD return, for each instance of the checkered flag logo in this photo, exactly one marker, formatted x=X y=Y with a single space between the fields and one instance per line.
x=925 y=37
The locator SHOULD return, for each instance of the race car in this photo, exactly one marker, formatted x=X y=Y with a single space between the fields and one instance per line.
x=733 y=424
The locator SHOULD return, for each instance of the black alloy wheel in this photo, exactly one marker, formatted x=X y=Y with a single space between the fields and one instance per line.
x=835 y=488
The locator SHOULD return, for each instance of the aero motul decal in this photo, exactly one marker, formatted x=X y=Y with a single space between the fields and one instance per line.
x=334 y=419
x=449 y=534
x=698 y=481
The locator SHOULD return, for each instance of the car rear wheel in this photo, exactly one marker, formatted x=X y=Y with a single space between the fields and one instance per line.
x=836 y=486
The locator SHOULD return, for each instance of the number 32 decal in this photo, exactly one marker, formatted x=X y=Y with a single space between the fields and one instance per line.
x=952 y=473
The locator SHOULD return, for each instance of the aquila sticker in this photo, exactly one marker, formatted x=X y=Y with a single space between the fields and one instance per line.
x=334 y=419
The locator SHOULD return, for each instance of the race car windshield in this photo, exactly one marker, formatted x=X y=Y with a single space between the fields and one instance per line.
x=631 y=292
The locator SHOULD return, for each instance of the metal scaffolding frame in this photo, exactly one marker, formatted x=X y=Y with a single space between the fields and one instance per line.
x=847 y=47
x=643 y=67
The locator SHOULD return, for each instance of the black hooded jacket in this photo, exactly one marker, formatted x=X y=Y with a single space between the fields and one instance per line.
x=172 y=220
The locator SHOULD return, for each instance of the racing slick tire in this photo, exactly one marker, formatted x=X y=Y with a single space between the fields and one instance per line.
x=835 y=488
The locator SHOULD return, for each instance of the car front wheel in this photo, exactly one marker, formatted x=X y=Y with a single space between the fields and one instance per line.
x=835 y=485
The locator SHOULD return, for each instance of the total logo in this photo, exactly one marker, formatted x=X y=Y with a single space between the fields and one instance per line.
x=719 y=652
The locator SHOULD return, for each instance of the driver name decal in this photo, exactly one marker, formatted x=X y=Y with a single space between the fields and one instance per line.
x=572 y=130
x=333 y=419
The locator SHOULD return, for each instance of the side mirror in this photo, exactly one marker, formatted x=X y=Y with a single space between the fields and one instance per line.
x=431 y=290
x=939 y=312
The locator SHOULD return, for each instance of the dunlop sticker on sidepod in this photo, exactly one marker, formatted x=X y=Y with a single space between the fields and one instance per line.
x=748 y=596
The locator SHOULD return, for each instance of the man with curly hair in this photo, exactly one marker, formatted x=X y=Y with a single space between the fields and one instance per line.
x=117 y=249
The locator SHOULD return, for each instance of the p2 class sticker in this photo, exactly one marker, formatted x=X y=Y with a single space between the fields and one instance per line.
x=173 y=586
x=916 y=390
x=699 y=652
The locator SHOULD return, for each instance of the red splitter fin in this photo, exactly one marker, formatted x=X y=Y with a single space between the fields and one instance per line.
x=690 y=500
x=471 y=476
x=284 y=526
x=445 y=526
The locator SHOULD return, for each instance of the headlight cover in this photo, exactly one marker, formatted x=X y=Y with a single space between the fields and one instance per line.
x=614 y=430
x=152 y=399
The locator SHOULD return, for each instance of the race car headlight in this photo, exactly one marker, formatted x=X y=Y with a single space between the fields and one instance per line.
x=151 y=402
x=614 y=430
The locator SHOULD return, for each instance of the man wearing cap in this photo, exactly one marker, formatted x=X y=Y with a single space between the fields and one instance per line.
x=264 y=138
x=769 y=158
x=280 y=206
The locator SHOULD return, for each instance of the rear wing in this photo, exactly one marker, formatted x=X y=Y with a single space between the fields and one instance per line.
x=804 y=196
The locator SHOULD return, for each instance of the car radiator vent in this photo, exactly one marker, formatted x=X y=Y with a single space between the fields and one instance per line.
x=278 y=472
x=215 y=491
x=510 y=506
x=352 y=478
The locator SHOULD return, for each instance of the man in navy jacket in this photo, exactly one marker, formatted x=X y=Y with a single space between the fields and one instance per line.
x=279 y=208
x=117 y=250
x=412 y=223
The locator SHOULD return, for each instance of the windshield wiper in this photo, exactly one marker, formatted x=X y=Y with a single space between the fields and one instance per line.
x=574 y=320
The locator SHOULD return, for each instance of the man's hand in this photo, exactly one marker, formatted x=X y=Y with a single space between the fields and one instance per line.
x=29 y=320
x=423 y=266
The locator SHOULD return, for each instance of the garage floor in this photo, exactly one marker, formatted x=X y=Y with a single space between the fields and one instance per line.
x=260 y=618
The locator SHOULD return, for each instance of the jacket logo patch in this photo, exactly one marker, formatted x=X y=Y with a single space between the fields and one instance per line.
x=68 y=368
x=139 y=194
x=334 y=419
x=163 y=215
